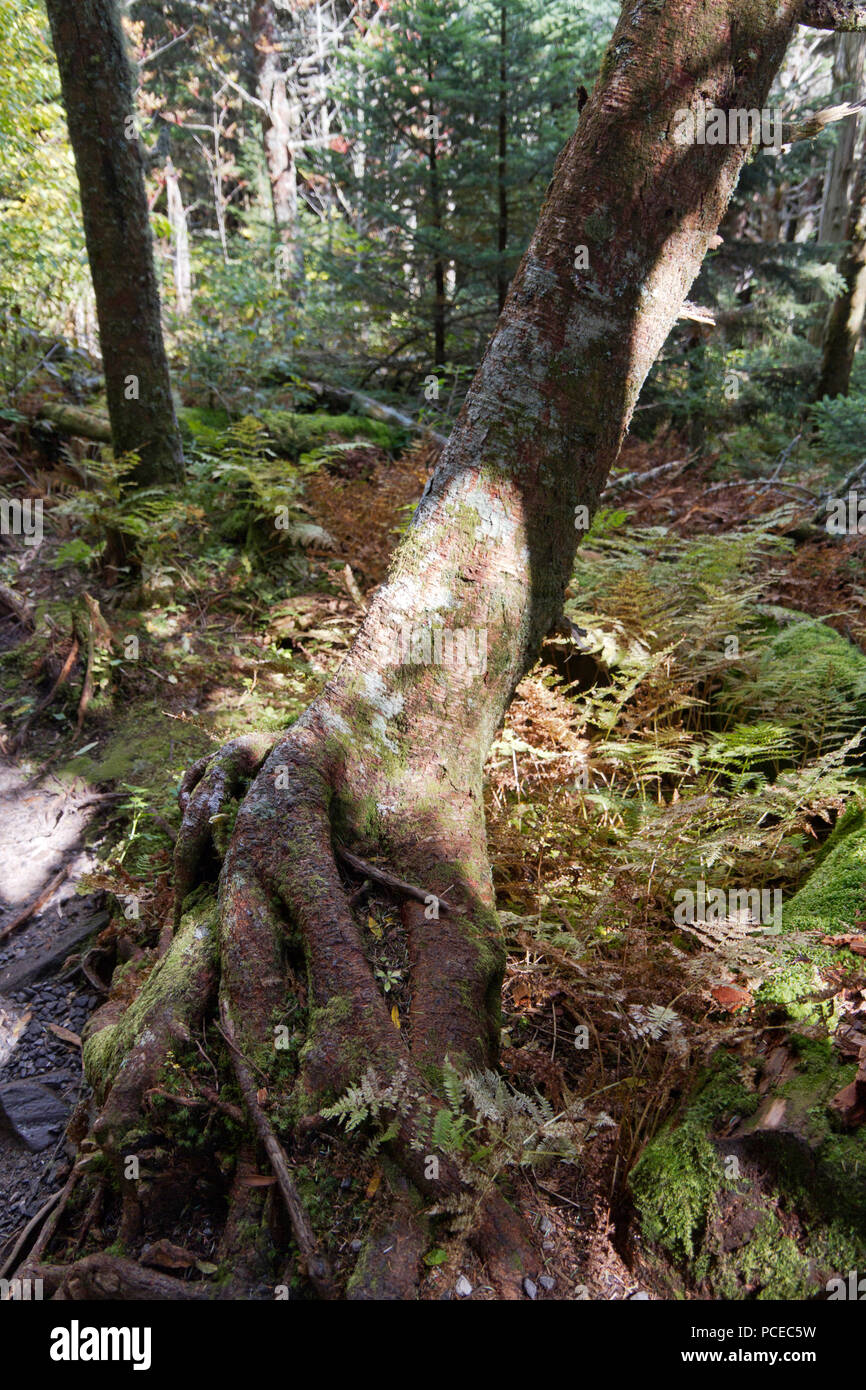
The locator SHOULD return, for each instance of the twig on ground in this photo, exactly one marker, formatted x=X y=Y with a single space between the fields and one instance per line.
x=397 y=885
x=317 y=1267
x=33 y=907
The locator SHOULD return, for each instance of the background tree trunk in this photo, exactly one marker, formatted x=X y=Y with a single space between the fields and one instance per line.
x=848 y=66
x=278 y=124
x=845 y=323
x=98 y=97
x=502 y=160
x=848 y=69
x=180 y=240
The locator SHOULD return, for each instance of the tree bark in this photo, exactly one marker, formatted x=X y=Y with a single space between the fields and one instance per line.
x=98 y=97
x=845 y=322
x=388 y=760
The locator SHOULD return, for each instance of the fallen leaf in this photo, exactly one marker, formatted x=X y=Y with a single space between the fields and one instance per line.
x=855 y=943
x=261 y=1095
x=258 y=1180
x=373 y=1184
x=162 y=1254
x=206 y=1267
x=729 y=997
x=395 y=1016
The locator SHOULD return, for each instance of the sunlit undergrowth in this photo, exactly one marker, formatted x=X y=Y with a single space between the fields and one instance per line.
x=719 y=744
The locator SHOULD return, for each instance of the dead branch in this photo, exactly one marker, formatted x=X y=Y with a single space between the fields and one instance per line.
x=33 y=907
x=317 y=1267
x=397 y=885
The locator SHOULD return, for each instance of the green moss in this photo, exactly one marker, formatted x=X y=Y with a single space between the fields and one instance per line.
x=770 y=1260
x=296 y=434
x=809 y=680
x=835 y=893
x=810 y=1174
x=722 y=1092
x=674 y=1186
x=137 y=751
x=194 y=946
x=97 y=1056
x=204 y=427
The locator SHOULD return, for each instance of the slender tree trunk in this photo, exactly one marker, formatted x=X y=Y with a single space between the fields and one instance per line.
x=502 y=160
x=848 y=67
x=278 y=124
x=98 y=96
x=439 y=299
x=845 y=323
x=436 y=222
x=180 y=240
x=848 y=70
x=388 y=760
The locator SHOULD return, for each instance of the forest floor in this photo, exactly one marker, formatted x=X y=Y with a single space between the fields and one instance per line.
x=611 y=1012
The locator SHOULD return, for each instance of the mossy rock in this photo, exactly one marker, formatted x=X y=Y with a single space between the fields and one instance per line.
x=204 y=427
x=295 y=434
x=750 y=1193
x=834 y=895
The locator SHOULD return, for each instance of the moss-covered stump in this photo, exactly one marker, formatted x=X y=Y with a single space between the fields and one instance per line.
x=751 y=1192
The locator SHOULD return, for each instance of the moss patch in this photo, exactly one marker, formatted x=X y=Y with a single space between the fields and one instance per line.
x=835 y=894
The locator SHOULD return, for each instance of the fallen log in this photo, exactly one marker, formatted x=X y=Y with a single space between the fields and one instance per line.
x=342 y=396
x=72 y=419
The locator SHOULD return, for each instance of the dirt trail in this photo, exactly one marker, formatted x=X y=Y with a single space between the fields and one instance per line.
x=42 y=988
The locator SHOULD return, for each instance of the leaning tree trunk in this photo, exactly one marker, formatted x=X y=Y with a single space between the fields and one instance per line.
x=98 y=97
x=845 y=320
x=388 y=760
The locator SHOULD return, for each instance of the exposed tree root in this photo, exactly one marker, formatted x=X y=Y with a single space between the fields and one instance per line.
x=267 y=887
x=316 y=1266
x=281 y=891
x=113 y=1277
